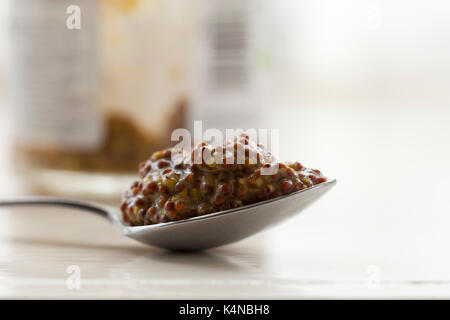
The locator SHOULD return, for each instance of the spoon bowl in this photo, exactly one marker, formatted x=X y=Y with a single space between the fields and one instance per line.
x=203 y=232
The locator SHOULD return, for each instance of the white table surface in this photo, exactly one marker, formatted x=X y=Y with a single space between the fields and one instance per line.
x=382 y=232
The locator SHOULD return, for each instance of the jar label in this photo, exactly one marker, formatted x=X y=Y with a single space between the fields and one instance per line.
x=54 y=75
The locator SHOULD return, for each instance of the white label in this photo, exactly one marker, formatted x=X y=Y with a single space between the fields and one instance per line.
x=54 y=74
x=225 y=80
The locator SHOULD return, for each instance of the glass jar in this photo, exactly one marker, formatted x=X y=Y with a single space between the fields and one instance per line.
x=90 y=103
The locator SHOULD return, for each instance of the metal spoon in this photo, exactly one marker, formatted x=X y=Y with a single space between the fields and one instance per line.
x=198 y=233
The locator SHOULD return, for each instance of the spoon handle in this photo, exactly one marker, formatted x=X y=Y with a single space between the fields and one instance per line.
x=56 y=201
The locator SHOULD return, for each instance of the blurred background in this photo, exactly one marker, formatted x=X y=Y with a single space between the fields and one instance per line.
x=358 y=89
